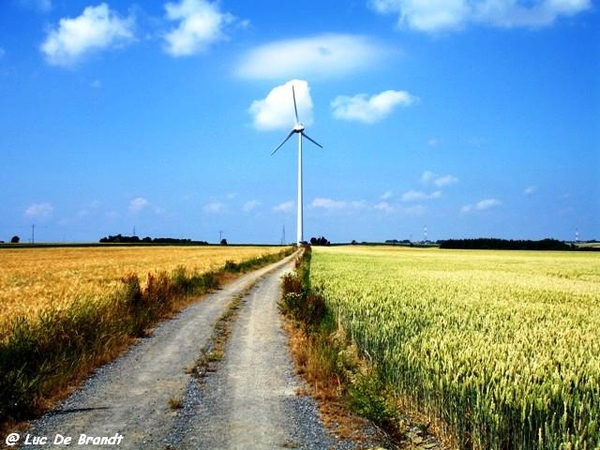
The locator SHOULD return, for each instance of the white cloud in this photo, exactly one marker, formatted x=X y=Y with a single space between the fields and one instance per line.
x=322 y=56
x=530 y=190
x=487 y=204
x=438 y=180
x=384 y=207
x=372 y=109
x=285 y=207
x=138 y=204
x=201 y=24
x=446 y=180
x=276 y=110
x=330 y=204
x=98 y=28
x=39 y=211
x=481 y=206
x=427 y=177
x=327 y=203
x=387 y=195
x=414 y=210
x=443 y=15
x=250 y=205
x=214 y=206
x=412 y=196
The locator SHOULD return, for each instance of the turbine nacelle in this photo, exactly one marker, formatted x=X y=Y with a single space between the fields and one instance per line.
x=298 y=128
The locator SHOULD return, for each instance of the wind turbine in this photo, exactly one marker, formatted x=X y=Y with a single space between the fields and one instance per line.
x=299 y=130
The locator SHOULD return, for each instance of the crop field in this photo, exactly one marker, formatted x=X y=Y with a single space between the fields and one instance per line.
x=34 y=279
x=500 y=350
x=67 y=310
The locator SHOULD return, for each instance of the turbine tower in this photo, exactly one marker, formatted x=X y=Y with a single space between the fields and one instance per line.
x=299 y=130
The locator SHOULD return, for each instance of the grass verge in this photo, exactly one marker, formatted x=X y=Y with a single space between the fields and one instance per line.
x=41 y=357
x=347 y=386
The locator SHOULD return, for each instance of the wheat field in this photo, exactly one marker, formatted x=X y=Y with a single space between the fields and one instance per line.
x=33 y=279
x=501 y=348
x=67 y=310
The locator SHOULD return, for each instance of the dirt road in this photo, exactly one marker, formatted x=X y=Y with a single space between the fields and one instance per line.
x=249 y=402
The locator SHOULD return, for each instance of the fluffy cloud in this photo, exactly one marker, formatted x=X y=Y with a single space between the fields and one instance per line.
x=39 y=211
x=97 y=28
x=372 y=109
x=481 y=206
x=201 y=24
x=277 y=109
x=322 y=56
x=438 y=180
x=138 y=204
x=412 y=196
x=285 y=207
x=214 y=206
x=530 y=190
x=250 y=205
x=330 y=204
x=327 y=203
x=384 y=207
x=441 y=15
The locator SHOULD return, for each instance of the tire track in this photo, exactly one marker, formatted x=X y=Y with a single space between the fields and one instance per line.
x=130 y=396
x=251 y=401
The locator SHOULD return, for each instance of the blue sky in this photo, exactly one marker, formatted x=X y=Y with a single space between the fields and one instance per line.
x=470 y=118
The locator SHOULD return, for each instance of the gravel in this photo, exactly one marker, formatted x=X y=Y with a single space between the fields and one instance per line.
x=250 y=401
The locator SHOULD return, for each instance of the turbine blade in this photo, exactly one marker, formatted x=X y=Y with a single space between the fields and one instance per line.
x=311 y=140
x=295 y=107
x=282 y=142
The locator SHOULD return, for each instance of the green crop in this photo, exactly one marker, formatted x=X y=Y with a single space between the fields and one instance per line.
x=502 y=348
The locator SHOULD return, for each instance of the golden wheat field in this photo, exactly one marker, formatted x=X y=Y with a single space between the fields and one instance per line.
x=32 y=279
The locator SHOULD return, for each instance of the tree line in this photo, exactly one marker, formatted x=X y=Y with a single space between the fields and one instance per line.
x=504 y=244
x=119 y=238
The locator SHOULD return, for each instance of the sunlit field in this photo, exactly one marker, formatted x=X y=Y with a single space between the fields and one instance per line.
x=65 y=311
x=500 y=349
x=33 y=279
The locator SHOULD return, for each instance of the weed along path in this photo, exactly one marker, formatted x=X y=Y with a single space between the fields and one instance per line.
x=153 y=398
x=251 y=401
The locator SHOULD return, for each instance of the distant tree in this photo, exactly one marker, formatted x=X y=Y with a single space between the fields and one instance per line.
x=15 y=240
x=319 y=241
x=504 y=244
x=223 y=241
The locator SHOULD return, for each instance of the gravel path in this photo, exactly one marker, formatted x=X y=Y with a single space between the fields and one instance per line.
x=249 y=402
